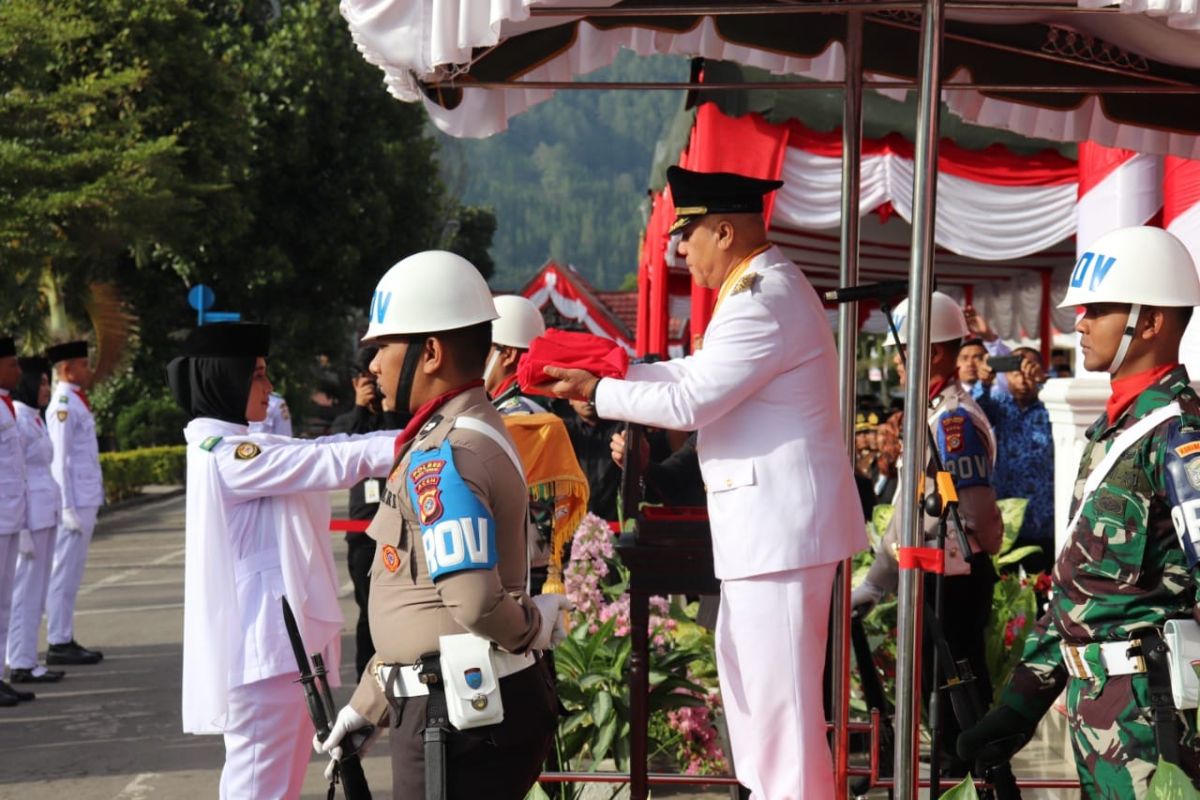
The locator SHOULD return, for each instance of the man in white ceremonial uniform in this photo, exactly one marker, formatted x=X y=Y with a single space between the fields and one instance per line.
x=278 y=420
x=43 y=508
x=257 y=530
x=12 y=499
x=76 y=470
x=762 y=392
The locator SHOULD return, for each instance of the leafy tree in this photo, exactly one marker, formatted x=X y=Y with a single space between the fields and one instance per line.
x=343 y=184
x=119 y=137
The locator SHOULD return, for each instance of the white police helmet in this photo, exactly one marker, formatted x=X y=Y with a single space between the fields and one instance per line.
x=1143 y=265
x=429 y=292
x=519 y=324
x=1138 y=266
x=946 y=320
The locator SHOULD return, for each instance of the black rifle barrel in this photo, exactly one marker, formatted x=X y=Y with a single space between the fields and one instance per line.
x=320 y=705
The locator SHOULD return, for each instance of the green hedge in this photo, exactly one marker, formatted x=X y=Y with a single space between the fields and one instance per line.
x=126 y=472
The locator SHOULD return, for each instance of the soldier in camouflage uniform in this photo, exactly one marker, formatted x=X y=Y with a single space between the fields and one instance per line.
x=1122 y=573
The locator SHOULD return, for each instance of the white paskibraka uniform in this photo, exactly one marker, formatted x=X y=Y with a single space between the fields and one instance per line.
x=76 y=469
x=43 y=503
x=12 y=505
x=782 y=505
x=258 y=531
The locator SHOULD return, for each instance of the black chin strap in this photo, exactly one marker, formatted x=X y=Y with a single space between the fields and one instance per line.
x=408 y=371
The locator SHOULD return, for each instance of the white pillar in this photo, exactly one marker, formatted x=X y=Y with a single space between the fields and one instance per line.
x=1073 y=404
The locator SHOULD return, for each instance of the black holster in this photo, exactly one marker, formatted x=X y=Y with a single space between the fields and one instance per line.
x=1167 y=730
x=437 y=728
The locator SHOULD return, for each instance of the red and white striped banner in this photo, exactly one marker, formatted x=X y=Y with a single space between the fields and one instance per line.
x=1181 y=216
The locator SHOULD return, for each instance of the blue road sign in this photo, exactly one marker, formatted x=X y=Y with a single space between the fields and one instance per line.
x=201 y=298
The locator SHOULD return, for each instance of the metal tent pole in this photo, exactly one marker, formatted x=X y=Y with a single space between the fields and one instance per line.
x=908 y=645
x=847 y=340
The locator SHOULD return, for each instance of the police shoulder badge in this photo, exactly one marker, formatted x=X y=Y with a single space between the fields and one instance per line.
x=952 y=427
x=283 y=411
x=744 y=283
x=426 y=479
x=246 y=451
x=1192 y=468
x=62 y=415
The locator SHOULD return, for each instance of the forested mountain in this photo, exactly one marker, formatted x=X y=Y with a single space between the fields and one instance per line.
x=568 y=179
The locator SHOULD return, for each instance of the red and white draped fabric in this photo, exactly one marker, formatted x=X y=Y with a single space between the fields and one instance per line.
x=1000 y=215
x=1181 y=14
x=1181 y=216
x=430 y=40
x=1117 y=188
x=554 y=286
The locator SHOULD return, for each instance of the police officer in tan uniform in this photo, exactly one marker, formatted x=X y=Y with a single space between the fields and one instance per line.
x=458 y=674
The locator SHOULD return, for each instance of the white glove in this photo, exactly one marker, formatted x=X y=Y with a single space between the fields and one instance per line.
x=348 y=722
x=25 y=544
x=864 y=597
x=550 y=606
x=70 y=521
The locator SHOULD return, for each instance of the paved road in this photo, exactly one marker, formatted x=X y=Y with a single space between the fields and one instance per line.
x=112 y=731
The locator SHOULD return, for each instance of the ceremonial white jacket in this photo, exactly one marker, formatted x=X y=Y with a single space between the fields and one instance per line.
x=763 y=394
x=258 y=530
x=43 y=500
x=12 y=473
x=76 y=464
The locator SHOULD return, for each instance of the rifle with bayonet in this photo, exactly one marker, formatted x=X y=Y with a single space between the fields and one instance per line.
x=314 y=679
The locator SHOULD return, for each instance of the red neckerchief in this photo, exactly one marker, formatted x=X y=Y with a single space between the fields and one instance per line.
x=422 y=414
x=505 y=385
x=1125 y=390
x=83 y=396
x=8 y=402
x=936 y=388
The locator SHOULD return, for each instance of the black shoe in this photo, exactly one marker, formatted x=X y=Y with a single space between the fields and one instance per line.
x=8 y=700
x=72 y=653
x=29 y=676
x=19 y=694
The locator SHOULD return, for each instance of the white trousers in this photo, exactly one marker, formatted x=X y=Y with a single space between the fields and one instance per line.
x=268 y=740
x=771 y=636
x=8 y=567
x=31 y=584
x=70 y=557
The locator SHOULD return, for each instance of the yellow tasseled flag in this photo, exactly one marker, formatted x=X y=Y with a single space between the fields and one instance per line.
x=552 y=471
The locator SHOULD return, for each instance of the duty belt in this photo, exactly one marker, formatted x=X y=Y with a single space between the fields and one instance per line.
x=1116 y=658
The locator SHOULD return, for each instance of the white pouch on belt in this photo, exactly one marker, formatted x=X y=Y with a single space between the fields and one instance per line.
x=1183 y=640
x=470 y=680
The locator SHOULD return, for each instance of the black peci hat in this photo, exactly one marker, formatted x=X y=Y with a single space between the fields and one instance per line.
x=34 y=365
x=229 y=340
x=67 y=351
x=8 y=346
x=698 y=194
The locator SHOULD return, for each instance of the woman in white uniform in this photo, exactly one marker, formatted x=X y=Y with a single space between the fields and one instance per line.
x=257 y=531
x=42 y=511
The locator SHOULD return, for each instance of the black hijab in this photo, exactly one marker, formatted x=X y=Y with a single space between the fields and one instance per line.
x=32 y=370
x=214 y=379
x=216 y=387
